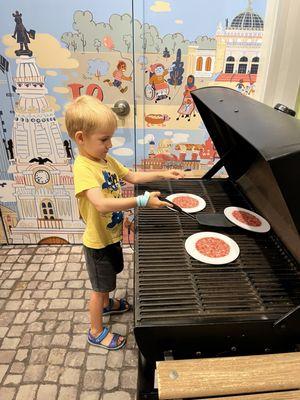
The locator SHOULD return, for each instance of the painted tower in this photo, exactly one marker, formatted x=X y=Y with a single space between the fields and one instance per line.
x=43 y=180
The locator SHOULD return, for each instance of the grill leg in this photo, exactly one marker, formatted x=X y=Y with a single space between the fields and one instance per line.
x=146 y=371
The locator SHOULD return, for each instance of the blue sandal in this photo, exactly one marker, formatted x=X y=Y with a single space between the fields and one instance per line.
x=123 y=307
x=113 y=345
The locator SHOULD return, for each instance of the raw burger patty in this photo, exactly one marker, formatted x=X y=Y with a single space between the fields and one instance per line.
x=212 y=247
x=186 y=202
x=246 y=218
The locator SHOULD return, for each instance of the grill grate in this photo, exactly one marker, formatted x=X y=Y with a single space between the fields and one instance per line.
x=171 y=287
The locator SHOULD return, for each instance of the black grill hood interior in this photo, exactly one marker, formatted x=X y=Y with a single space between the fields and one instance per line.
x=261 y=151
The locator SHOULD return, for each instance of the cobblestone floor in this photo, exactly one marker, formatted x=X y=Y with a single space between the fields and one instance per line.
x=44 y=353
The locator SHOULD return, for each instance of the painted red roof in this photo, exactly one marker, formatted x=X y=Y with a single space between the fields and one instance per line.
x=251 y=78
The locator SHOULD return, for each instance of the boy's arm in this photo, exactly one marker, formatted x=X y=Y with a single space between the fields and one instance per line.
x=143 y=177
x=106 y=205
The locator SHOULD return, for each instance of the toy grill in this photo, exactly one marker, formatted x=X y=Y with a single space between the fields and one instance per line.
x=251 y=305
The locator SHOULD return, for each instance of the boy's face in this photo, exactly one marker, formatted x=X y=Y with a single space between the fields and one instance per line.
x=94 y=145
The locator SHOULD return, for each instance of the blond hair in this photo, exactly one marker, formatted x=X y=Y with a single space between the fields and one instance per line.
x=88 y=114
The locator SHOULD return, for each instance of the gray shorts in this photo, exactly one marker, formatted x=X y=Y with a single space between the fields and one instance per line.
x=103 y=265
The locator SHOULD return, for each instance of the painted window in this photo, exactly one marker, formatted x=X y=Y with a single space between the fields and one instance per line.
x=208 y=64
x=242 y=65
x=47 y=210
x=229 y=65
x=254 y=65
x=199 y=65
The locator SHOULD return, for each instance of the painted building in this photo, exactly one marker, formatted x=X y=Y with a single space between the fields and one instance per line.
x=43 y=180
x=234 y=54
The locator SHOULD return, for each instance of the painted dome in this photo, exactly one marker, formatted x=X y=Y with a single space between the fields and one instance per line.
x=248 y=20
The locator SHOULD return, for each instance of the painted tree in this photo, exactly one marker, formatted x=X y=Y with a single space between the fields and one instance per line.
x=177 y=70
x=166 y=53
x=97 y=44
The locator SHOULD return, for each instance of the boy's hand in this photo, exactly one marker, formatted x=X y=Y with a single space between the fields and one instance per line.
x=154 y=202
x=172 y=174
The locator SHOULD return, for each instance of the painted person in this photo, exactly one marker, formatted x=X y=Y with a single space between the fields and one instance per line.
x=119 y=76
x=187 y=106
x=157 y=80
x=97 y=176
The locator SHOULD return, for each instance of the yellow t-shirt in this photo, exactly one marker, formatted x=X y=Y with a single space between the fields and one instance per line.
x=101 y=229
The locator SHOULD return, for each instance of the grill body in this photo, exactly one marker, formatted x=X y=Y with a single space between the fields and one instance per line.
x=189 y=307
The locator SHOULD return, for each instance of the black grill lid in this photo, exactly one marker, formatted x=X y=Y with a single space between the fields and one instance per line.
x=244 y=131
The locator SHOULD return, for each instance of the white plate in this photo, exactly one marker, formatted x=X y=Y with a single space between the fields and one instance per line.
x=263 y=228
x=190 y=246
x=199 y=207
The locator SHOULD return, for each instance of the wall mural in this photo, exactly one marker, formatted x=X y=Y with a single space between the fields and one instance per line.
x=46 y=63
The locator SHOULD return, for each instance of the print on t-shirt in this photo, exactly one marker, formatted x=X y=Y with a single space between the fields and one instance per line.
x=111 y=183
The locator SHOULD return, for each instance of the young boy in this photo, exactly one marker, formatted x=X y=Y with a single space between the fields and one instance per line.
x=96 y=177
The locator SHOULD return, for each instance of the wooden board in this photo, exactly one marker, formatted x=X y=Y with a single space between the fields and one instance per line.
x=180 y=379
x=290 y=395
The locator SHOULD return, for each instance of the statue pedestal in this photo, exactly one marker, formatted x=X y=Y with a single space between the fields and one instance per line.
x=23 y=53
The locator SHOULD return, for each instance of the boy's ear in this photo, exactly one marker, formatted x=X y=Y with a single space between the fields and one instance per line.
x=79 y=137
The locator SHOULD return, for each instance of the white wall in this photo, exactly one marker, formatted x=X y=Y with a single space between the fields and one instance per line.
x=279 y=76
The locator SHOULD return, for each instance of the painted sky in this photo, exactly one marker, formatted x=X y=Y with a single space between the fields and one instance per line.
x=198 y=17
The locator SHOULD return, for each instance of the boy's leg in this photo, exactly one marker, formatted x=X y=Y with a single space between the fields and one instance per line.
x=96 y=308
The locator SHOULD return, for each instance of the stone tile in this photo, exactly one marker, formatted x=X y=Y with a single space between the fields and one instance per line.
x=75 y=359
x=81 y=317
x=52 y=373
x=3 y=331
x=115 y=359
x=42 y=305
x=57 y=356
x=90 y=395
x=39 y=356
x=49 y=315
x=33 y=316
x=54 y=276
x=7 y=393
x=129 y=379
x=41 y=340
x=6 y=318
x=22 y=354
x=70 y=376
x=52 y=293
x=79 y=342
x=76 y=304
x=63 y=327
x=78 y=284
x=28 y=305
x=34 y=373
x=17 y=368
x=61 y=339
x=111 y=379
x=118 y=395
x=95 y=362
x=66 y=316
x=47 y=392
x=93 y=380
x=67 y=393
x=26 y=392
x=58 y=304
x=26 y=340
x=13 y=379
x=10 y=343
x=131 y=358
x=65 y=294
x=3 y=370
x=35 y=327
